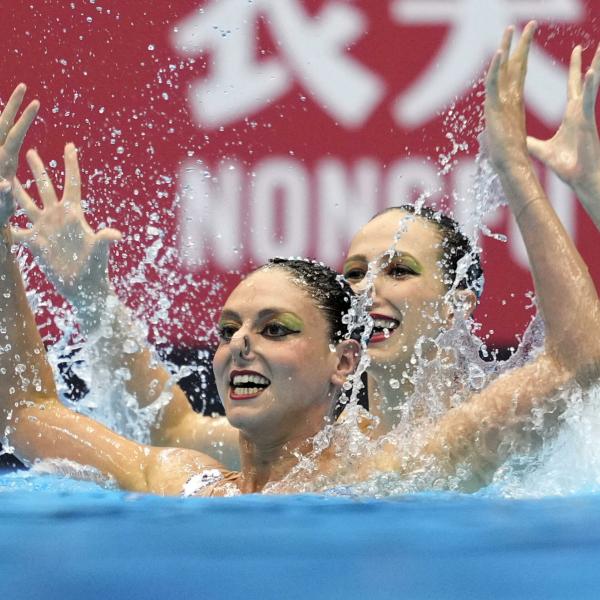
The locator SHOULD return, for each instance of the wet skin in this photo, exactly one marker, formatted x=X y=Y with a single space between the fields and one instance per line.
x=275 y=335
x=408 y=289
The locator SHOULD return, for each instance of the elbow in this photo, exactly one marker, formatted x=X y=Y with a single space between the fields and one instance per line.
x=579 y=364
x=16 y=405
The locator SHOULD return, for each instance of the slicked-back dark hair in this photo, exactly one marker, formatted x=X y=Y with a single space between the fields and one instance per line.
x=329 y=290
x=455 y=246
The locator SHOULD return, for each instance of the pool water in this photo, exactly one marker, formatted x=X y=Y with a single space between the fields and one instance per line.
x=65 y=539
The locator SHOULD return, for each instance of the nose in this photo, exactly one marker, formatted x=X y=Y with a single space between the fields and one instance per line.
x=240 y=346
x=370 y=284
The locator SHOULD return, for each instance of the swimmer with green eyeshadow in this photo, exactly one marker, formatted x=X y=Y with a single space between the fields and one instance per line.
x=277 y=324
x=283 y=357
x=279 y=383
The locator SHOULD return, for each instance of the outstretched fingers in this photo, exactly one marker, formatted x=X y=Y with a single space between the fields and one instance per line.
x=109 y=235
x=522 y=52
x=16 y=134
x=7 y=118
x=507 y=37
x=498 y=68
x=505 y=44
x=42 y=180
x=574 y=83
x=492 y=81
x=538 y=148
x=591 y=81
x=72 y=191
x=21 y=235
x=25 y=201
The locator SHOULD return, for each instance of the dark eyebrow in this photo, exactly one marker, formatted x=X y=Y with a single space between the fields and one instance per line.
x=230 y=314
x=400 y=254
x=265 y=313
x=360 y=257
x=392 y=255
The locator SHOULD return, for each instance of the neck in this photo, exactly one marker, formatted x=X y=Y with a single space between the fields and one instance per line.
x=262 y=462
x=390 y=393
x=386 y=399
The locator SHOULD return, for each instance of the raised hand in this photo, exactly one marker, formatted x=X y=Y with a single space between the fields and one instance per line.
x=573 y=153
x=504 y=106
x=73 y=256
x=11 y=140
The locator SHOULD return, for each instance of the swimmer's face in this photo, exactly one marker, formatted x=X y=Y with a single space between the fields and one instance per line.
x=274 y=368
x=408 y=292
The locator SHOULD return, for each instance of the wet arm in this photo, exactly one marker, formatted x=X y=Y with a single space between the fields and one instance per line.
x=23 y=364
x=502 y=417
x=59 y=231
x=35 y=425
x=149 y=381
x=565 y=292
x=120 y=343
x=23 y=367
x=589 y=194
x=509 y=417
x=517 y=410
x=47 y=430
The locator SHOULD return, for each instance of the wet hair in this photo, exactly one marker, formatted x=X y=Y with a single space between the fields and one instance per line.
x=329 y=291
x=455 y=246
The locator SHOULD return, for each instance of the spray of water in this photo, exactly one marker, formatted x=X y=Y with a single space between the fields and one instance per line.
x=444 y=372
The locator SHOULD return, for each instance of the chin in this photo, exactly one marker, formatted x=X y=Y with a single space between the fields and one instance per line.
x=384 y=359
x=248 y=419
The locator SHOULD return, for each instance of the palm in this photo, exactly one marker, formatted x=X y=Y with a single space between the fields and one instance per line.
x=71 y=255
x=573 y=153
x=74 y=258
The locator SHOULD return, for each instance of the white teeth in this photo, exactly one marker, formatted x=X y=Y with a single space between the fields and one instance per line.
x=385 y=323
x=239 y=380
x=247 y=391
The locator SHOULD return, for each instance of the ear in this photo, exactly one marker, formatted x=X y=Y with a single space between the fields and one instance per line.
x=347 y=355
x=463 y=302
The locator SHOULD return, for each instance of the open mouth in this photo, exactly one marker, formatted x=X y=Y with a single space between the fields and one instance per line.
x=244 y=385
x=383 y=328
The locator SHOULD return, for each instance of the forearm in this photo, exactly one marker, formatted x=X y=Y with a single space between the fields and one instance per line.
x=588 y=193
x=512 y=416
x=117 y=342
x=566 y=294
x=50 y=431
x=23 y=364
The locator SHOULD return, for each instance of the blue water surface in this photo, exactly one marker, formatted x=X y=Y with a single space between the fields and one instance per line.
x=65 y=539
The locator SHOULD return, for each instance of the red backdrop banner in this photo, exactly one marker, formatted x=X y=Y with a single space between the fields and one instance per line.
x=218 y=133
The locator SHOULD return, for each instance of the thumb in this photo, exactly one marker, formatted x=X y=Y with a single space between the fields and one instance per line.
x=109 y=235
x=21 y=235
x=538 y=149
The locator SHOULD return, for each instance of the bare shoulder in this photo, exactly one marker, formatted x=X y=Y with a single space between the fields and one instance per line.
x=209 y=435
x=170 y=470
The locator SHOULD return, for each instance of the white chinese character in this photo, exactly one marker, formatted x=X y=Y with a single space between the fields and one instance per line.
x=311 y=49
x=476 y=26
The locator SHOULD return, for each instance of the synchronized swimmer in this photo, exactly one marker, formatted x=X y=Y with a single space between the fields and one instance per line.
x=285 y=351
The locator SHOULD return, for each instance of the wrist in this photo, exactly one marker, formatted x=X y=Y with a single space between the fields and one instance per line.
x=518 y=178
x=87 y=299
x=92 y=310
x=6 y=241
x=587 y=186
